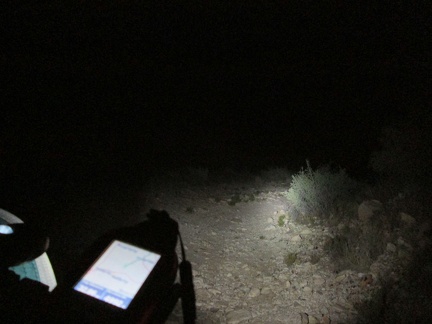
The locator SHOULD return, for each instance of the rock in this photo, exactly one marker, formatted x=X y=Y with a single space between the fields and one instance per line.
x=296 y=238
x=344 y=303
x=304 y=318
x=391 y=247
x=267 y=279
x=407 y=219
x=237 y=316
x=368 y=208
x=338 y=308
x=313 y=320
x=340 y=277
x=254 y=292
x=324 y=310
x=402 y=242
x=307 y=290
x=319 y=281
x=306 y=231
x=265 y=291
x=214 y=291
x=303 y=283
x=298 y=304
x=199 y=283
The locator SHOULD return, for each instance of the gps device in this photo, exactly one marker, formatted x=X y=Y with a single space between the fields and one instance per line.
x=118 y=274
x=126 y=276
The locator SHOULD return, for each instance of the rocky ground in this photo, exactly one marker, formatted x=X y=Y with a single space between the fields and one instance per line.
x=249 y=267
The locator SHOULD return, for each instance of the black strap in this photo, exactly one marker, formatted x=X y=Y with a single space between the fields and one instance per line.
x=187 y=292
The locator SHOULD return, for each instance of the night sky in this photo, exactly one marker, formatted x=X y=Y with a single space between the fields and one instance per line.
x=118 y=89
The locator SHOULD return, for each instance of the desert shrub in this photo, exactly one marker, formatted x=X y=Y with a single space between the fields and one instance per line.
x=318 y=192
x=290 y=258
x=356 y=248
x=281 y=220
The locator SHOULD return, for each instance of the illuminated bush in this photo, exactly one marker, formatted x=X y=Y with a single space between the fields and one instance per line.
x=318 y=192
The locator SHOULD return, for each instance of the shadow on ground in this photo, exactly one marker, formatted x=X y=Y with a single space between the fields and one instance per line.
x=409 y=300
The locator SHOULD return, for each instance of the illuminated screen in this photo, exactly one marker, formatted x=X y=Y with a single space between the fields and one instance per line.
x=118 y=274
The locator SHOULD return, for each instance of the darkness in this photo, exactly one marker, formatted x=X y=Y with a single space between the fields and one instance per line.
x=105 y=93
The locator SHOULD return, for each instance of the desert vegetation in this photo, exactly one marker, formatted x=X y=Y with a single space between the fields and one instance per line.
x=398 y=222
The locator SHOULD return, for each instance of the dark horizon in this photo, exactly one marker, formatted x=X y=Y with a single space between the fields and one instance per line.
x=117 y=89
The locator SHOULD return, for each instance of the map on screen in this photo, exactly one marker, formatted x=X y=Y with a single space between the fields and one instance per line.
x=118 y=274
